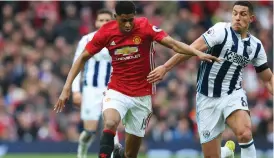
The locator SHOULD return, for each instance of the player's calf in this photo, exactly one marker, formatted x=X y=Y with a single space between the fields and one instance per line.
x=211 y=149
x=132 y=146
x=240 y=123
x=85 y=140
x=106 y=144
x=244 y=137
x=111 y=121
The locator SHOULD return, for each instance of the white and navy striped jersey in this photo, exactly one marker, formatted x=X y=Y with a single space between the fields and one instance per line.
x=97 y=69
x=220 y=79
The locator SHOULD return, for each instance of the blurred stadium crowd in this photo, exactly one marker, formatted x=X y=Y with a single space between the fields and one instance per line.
x=37 y=44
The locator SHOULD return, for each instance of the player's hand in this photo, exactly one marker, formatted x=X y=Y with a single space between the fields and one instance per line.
x=77 y=99
x=157 y=74
x=208 y=58
x=59 y=106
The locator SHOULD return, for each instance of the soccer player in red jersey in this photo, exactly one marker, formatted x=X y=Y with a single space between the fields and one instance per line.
x=130 y=43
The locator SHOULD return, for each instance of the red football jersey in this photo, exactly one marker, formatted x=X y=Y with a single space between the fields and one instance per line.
x=131 y=53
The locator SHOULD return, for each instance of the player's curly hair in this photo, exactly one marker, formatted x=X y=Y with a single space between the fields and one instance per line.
x=246 y=4
x=104 y=11
x=125 y=7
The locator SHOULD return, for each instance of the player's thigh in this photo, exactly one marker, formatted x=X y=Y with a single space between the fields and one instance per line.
x=212 y=149
x=90 y=125
x=91 y=104
x=240 y=123
x=137 y=118
x=209 y=116
x=237 y=113
x=132 y=146
x=114 y=108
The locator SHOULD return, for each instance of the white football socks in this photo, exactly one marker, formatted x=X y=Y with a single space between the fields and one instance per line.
x=248 y=150
x=85 y=140
x=226 y=152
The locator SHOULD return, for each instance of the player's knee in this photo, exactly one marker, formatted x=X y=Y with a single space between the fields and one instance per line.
x=110 y=124
x=244 y=135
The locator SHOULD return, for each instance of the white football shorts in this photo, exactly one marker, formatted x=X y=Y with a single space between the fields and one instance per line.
x=135 y=112
x=91 y=108
x=211 y=113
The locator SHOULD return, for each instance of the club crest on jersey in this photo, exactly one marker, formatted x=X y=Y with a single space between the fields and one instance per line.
x=210 y=31
x=156 y=29
x=107 y=100
x=126 y=51
x=137 y=40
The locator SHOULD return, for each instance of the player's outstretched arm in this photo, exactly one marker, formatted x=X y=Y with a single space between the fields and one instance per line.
x=75 y=69
x=158 y=73
x=267 y=77
x=183 y=48
x=76 y=84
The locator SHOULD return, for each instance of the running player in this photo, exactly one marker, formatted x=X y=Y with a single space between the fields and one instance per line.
x=220 y=97
x=95 y=79
x=128 y=98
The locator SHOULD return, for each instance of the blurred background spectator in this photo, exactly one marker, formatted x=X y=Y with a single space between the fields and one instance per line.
x=37 y=43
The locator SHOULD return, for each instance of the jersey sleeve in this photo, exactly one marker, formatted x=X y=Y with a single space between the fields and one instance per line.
x=80 y=48
x=214 y=35
x=260 y=59
x=98 y=42
x=156 y=33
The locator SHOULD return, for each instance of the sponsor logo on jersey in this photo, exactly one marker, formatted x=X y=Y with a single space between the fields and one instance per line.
x=126 y=51
x=137 y=40
x=236 y=58
x=129 y=57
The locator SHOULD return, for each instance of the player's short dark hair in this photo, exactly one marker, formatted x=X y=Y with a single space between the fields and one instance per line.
x=104 y=11
x=125 y=7
x=246 y=4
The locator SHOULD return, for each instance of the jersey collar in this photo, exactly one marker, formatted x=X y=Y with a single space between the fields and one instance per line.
x=247 y=39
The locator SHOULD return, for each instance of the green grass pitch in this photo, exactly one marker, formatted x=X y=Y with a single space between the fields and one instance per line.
x=48 y=156
x=57 y=156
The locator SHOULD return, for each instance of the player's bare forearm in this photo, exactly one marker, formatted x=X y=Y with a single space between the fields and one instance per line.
x=175 y=60
x=269 y=85
x=179 y=47
x=267 y=77
x=198 y=44
x=182 y=48
x=76 y=68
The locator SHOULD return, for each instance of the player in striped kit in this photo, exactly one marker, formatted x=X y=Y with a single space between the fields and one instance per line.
x=220 y=98
x=96 y=75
